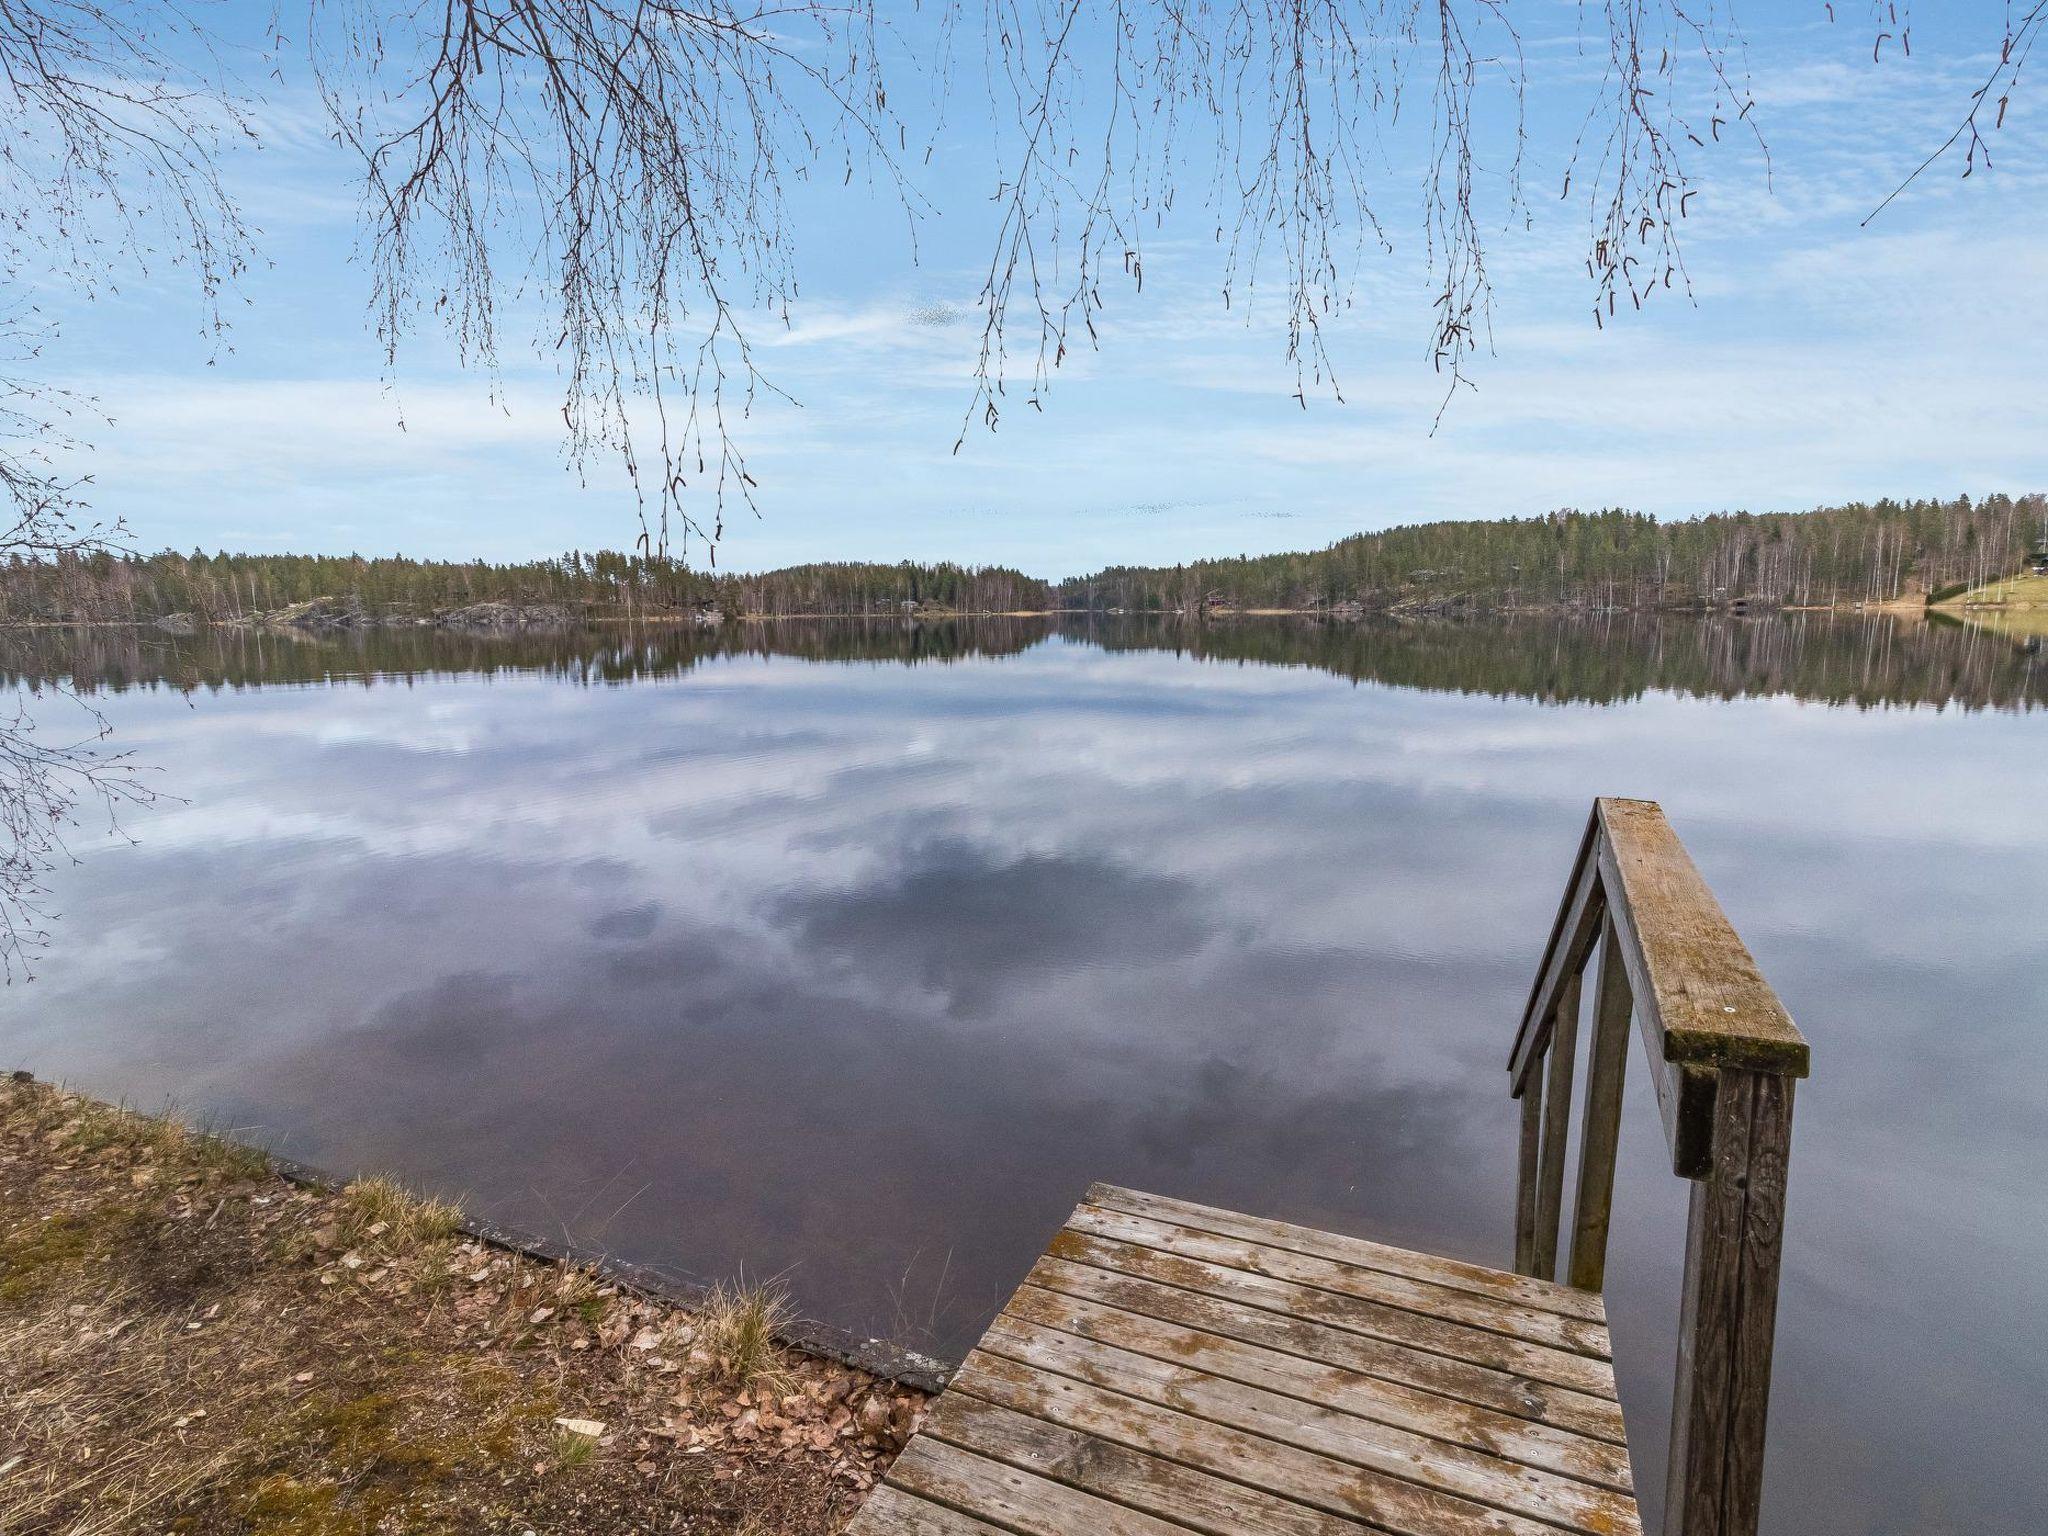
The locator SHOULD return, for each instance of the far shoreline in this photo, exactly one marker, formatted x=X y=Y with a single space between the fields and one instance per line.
x=1408 y=610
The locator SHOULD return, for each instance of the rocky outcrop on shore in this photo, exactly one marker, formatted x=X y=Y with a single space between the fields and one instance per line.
x=329 y=615
x=321 y=613
x=497 y=616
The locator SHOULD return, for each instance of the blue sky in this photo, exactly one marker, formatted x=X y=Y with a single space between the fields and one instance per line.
x=1821 y=361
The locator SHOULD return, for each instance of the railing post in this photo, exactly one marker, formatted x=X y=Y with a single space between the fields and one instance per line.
x=1734 y=1236
x=1557 y=1120
x=1525 y=1180
x=1606 y=1065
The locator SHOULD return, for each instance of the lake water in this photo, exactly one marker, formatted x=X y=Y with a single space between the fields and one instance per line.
x=853 y=954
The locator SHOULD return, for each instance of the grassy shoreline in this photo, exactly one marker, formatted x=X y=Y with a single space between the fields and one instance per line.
x=2013 y=606
x=190 y=1341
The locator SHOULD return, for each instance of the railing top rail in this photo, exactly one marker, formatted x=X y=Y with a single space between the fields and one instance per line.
x=1704 y=990
x=1696 y=985
x=1570 y=936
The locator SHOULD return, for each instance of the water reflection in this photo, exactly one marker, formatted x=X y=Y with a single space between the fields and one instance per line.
x=1600 y=659
x=862 y=972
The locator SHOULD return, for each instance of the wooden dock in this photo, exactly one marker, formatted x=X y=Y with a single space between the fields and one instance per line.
x=1168 y=1368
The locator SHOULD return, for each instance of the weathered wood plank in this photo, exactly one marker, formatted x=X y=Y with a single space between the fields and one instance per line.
x=1358 y=1251
x=1728 y=1314
x=1713 y=1242
x=1685 y=1090
x=1388 y=1503
x=1577 y=1334
x=1685 y=1101
x=891 y=1511
x=1600 y=1133
x=1571 y=935
x=1199 y=1500
x=1014 y=1499
x=1763 y=1241
x=1448 y=1468
x=1473 y=1430
x=1399 y=1366
x=1539 y=1362
x=1525 y=1178
x=1557 y=1119
x=1691 y=972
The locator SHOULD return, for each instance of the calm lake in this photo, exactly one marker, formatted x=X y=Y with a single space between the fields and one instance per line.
x=852 y=954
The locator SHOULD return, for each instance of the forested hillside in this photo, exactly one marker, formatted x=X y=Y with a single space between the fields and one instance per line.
x=1864 y=552
x=226 y=586
x=1875 y=552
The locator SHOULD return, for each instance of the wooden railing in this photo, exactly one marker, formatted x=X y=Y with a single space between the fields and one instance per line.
x=1723 y=1055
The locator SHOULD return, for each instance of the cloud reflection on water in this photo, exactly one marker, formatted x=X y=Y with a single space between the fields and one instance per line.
x=863 y=973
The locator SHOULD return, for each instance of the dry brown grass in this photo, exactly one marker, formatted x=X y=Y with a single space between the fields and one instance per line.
x=187 y=1342
x=737 y=1325
x=384 y=1208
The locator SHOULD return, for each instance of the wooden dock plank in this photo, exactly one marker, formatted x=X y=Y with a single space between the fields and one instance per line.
x=1523 y=1290
x=1015 y=1499
x=1169 y=1368
x=890 y=1511
x=1397 y=1325
x=1438 y=1464
x=1404 y=1408
x=1495 y=1315
x=1200 y=1500
x=1436 y=1375
x=1386 y=1503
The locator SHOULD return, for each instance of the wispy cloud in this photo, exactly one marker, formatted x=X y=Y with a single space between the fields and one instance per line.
x=1821 y=360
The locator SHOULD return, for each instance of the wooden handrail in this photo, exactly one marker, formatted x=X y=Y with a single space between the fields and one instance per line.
x=1701 y=1002
x=1723 y=1055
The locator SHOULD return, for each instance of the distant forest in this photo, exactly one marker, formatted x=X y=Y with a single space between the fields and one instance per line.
x=224 y=587
x=1861 y=553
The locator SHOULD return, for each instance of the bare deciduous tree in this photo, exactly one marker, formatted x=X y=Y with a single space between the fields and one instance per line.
x=623 y=168
x=2024 y=25
x=108 y=169
x=45 y=785
x=649 y=146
